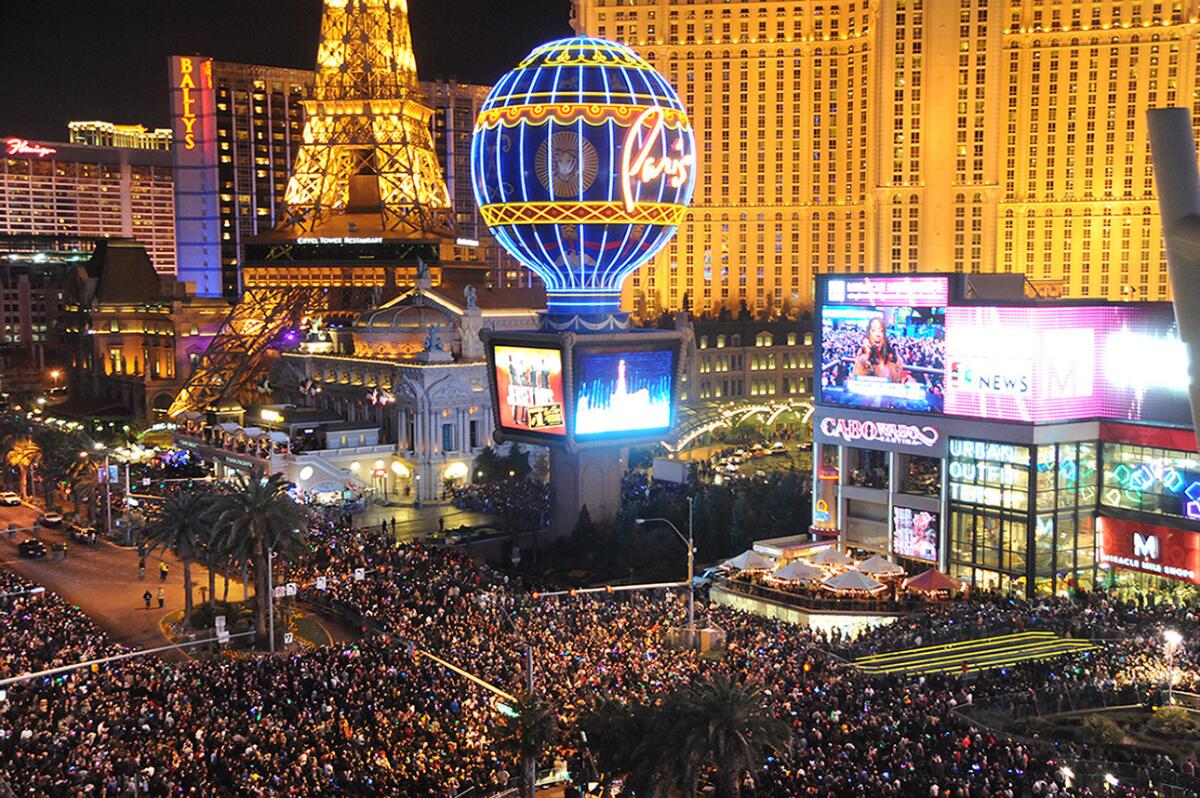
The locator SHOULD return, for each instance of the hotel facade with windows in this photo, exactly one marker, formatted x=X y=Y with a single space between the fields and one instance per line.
x=900 y=136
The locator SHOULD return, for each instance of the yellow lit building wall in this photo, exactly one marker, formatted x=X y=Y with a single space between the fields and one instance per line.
x=912 y=135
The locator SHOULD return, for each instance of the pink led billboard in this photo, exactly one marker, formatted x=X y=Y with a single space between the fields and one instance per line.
x=901 y=343
x=1050 y=363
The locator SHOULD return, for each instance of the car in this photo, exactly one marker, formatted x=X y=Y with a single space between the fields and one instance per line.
x=9 y=499
x=33 y=549
x=82 y=534
x=54 y=520
x=778 y=448
x=706 y=577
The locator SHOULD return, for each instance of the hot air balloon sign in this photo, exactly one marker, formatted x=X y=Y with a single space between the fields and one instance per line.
x=583 y=163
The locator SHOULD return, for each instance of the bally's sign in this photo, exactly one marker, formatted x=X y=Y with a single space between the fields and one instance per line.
x=884 y=434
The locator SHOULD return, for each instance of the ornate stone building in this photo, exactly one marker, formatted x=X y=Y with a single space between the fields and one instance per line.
x=415 y=369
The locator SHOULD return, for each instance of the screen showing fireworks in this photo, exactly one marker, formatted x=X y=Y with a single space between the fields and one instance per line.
x=623 y=391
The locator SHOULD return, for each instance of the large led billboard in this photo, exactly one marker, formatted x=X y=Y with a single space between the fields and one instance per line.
x=529 y=390
x=886 y=358
x=1047 y=363
x=887 y=344
x=621 y=391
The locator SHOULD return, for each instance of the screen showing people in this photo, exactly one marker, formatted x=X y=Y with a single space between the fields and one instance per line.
x=529 y=389
x=623 y=391
x=915 y=534
x=890 y=358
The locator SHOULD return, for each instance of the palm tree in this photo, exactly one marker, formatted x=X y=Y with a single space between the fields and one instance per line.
x=84 y=485
x=182 y=523
x=24 y=454
x=529 y=733
x=630 y=739
x=60 y=451
x=727 y=725
x=260 y=516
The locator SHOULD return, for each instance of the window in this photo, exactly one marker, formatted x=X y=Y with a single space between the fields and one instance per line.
x=449 y=442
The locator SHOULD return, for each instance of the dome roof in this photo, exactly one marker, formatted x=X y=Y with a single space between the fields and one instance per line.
x=408 y=314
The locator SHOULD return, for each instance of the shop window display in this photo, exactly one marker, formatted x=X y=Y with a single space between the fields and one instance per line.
x=868 y=468
x=920 y=476
x=1150 y=480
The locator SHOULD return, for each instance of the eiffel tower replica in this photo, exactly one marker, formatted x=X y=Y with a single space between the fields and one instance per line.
x=367 y=208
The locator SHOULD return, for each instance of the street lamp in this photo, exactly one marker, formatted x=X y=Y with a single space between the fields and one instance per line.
x=1173 y=640
x=55 y=375
x=492 y=600
x=691 y=563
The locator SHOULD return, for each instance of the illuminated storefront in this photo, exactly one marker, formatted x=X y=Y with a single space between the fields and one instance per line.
x=997 y=437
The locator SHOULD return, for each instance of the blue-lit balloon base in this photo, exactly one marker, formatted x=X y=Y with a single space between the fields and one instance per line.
x=584 y=323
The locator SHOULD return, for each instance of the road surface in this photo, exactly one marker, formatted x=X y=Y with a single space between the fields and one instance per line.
x=102 y=579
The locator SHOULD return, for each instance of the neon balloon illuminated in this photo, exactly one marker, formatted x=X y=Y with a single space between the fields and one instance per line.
x=583 y=163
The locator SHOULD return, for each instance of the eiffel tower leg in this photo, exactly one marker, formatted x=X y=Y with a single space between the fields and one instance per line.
x=240 y=354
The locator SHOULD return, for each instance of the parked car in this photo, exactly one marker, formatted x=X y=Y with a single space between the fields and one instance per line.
x=82 y=534
x=706 y=577
x=33 y=549
x=53 y=520
x=9 y=499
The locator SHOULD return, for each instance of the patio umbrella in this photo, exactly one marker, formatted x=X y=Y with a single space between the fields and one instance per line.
x=852 y=581
x=833 y=557
x=879 y=566
x=932 y=581
x=799 y=571
x=749 y=560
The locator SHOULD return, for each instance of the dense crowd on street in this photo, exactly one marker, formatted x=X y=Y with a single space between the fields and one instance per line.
x=524 y=498
x=378 y=718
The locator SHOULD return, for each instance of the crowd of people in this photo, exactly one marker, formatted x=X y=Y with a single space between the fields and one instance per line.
x=377 y=717
x=526 y=498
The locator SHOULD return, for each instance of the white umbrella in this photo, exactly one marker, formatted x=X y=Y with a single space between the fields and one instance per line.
x=879 y=566
x=851 y=581
x=832 y=556
x=749 y=560
x=799 y=571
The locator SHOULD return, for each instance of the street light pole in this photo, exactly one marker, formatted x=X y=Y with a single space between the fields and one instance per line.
x=1173 y=640
x=688 y=541
x=271 y=598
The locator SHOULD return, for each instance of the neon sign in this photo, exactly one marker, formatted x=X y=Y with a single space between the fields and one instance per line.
x=187 y=85
x=643 y=166
x=18 y=146
x=852 y=429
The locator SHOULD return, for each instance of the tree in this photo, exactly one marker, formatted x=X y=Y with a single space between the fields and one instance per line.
x=728 y=726
x=182 y=523
x=529 y=733
x=263 y=521
x=60 y=453
x=24 y=455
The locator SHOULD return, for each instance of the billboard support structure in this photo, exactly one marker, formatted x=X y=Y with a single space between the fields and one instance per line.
x=1177 y=182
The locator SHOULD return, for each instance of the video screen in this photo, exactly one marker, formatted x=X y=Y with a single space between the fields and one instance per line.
x=1125 y=363
x=623 y=391
x=915 y=534
x=884 y=358
x=529 y=389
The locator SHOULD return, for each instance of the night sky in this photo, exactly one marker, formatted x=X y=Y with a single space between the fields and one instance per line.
x=107 y=59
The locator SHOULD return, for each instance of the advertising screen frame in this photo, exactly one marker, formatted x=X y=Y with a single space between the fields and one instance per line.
x=570 y=344
x=548 y=342
x=601 y=344
x=1114 y=324
x=936 y=526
